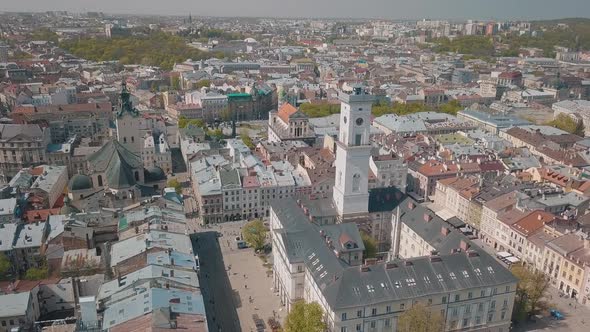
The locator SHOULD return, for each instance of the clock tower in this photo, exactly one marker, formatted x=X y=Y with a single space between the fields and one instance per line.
x=353 y=150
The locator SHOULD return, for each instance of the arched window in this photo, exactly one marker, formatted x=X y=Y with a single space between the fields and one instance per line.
x=136 y=176
x=132 y=139
x=124 y=139
x=356 y=183
x=99 y=178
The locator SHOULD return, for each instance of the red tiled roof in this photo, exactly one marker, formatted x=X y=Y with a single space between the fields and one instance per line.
x=285 y=112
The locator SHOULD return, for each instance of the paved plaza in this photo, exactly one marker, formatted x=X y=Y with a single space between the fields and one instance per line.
x=248 y=288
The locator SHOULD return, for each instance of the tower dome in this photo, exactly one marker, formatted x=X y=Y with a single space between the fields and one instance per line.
x=80 y=182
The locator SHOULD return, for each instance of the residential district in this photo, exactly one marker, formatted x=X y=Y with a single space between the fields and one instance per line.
x=392 y=166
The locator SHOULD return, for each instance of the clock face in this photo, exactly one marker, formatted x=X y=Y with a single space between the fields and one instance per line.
x=359 y=121
x=344 y=119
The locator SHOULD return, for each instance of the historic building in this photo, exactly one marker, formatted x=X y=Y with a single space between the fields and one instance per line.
x=288 y=124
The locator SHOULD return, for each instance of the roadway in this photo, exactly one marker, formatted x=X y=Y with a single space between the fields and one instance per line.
x=215 y=285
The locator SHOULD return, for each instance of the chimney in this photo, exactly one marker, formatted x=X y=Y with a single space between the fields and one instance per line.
x=427 y=217
x=408 y=263
x=365 y=268
x=411 y=205
x=539 y=217
x=445 y=231
x=435 y=258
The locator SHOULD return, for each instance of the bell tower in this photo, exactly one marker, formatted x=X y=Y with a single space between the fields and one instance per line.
x=353 y=150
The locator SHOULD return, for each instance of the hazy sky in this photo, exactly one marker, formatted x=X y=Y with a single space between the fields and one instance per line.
x=395 y=9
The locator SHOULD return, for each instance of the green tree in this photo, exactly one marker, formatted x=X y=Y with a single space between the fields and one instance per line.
x=567 y=123
x=184 y=122
x=370 y=246
x=420 y=319
x=320 y=109
x=175 y=82
x=531 y=288
x=245 y=136
x=225 y=114
x=173 y=183
x=203 y=83
x=308 y=317
x=4 y=266
x=452 y=107
x=36 y=273
x=216 y=134
x=254 y=234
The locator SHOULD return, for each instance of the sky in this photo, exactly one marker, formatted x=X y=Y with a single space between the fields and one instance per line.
x=389 y=9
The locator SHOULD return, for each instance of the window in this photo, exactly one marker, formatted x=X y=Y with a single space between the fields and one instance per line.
x=468 y=309
x=483 y=293
x=444 y=299
x=454 y=312
x=505 y=304
x=11 y=322
x=480 y=307
x=343 y=316
x=343 y=329
x=358 y=327
x=402 y=306
x=387 y=322
x=374 y=312
x=470 y=295
x=477 y=320
x=493 y=305
x=503 y=315
x=457 y=297
x=507 y=289
x=359 y=313
x=388 y=309
x=373 y=324
x=3 y=323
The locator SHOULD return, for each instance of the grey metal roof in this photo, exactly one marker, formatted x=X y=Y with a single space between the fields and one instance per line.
x=117 y=163
x=14 y=305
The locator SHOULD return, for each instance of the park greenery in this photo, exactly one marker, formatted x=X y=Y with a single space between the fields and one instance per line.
x=36 y=273
x=254 y=233
x=216 y=134
x=173 y=183
x=472 y=45
x=308 y=317
x=379 y=109
x=420 y=319
x=4 y=266
x=567 y=123
x=245 y=135
x=530 y=291
x=370 y=246
x=184 y=122
x=155 y=49
x=318 y=110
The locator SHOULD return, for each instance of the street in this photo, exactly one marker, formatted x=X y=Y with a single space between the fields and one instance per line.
x=215 y=284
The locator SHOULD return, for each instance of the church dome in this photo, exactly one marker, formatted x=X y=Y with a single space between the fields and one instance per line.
x=154 y=174
x=80 y=182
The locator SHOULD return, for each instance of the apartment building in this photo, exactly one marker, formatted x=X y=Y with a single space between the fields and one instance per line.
x=21 y=145
x=309 y=265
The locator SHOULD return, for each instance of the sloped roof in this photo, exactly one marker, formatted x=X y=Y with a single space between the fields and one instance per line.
x=117 y=163
x=286 y=111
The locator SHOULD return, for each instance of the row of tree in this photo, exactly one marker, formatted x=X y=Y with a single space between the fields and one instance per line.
x=155 y=49
x=379 y=109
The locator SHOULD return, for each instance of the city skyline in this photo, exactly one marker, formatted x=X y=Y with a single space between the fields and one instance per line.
x=392 y=9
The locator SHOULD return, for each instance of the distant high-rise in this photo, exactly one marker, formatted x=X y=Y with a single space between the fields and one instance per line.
x=3 y=52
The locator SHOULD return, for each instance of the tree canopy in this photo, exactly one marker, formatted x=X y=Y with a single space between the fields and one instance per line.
x=319 y=110
x=420 y=319
x=156 y=49
x=370 y=246
x=308 y=317
x=36 y=273
x=4 y=266
x=184 y=122
x=254 y=233
x=173 y=183
x=472 y=45
x=567 y=123
x=245 y=136
x=532 y=286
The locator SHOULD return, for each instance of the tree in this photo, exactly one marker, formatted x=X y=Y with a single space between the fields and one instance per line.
x=370 y=246
x=567 y=123
x=225 y=114
x=173 y=183
x=217 y=134
x=36 y=273
x=452 y=107
x=203 y=83
x=245 y=135
x=4 y=266
x=308 y=317
x=530 y=290
x=175 y=82
x=254 y=234
x=420 y=319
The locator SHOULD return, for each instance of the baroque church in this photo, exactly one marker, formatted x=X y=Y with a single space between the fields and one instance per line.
x=117 y=174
